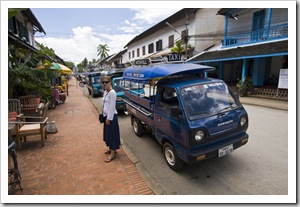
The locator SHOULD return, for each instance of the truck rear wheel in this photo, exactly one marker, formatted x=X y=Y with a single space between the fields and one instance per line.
x=173 y=161
x=137 y=127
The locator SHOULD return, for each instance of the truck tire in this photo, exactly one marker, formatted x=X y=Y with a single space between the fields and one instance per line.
x=173 y=161
x=137 y=127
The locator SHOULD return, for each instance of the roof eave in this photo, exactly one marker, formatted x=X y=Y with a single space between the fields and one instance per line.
x=171 y=19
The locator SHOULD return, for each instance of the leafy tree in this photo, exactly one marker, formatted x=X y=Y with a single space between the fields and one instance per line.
x=14 y=11
x=102 y=51
x=82 y=65
x=27 y=72
x=70 y=64
x=178 y=47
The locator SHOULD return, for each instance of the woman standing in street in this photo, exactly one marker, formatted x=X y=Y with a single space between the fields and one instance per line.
x=111 y=131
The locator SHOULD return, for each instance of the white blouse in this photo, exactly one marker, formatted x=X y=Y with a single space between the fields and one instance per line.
x=109 y=104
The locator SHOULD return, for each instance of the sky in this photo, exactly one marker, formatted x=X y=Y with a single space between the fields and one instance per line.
x=75 y=33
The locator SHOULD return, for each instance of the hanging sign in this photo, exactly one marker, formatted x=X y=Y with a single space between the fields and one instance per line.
x=141 y=62
x=283 y=79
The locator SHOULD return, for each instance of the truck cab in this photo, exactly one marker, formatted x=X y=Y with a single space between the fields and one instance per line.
x=93 y=83
x=193 y=117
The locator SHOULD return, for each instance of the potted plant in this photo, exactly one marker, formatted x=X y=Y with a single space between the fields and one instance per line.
x=244 y=87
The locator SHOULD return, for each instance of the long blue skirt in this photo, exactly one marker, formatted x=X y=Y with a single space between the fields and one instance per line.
x=111 y=134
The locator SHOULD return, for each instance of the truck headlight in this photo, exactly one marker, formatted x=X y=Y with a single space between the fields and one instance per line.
x=199 y=135
x=243 y=121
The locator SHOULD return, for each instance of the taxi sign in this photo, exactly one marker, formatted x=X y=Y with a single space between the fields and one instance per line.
x=174 y=57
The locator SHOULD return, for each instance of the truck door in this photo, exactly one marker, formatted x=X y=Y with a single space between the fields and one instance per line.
x=166 y=125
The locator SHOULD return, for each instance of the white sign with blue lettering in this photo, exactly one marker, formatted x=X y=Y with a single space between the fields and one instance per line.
x=283 y=79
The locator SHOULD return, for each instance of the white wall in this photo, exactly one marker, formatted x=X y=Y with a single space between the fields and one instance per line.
x=207 y=23
x=160 y=34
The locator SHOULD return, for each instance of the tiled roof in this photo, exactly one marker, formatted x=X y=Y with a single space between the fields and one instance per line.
x=264 y=49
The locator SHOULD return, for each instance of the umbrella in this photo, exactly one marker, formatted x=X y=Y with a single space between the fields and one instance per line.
x=55 y=66
x=64 y=69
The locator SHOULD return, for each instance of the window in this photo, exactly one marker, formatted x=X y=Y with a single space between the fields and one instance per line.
x=132 y=53
x=171 y=41
x=129 y=55
x=138 y=52
x=184 y=35
x=12 y=25
x=151 y=48
x=18 y=28
x=144 y=50
x=168 y=99
x=159 y=45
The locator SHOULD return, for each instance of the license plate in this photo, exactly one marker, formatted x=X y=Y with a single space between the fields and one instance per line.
x=225 y=150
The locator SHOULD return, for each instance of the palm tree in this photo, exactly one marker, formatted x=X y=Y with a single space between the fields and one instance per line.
x=178 y=47
x=102 y=51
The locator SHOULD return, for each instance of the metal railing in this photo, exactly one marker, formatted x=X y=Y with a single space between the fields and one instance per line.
x=265 y=34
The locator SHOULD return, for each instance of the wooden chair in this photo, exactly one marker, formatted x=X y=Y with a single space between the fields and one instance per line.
x=14 y=109
x=30 y=105
x=29 y=128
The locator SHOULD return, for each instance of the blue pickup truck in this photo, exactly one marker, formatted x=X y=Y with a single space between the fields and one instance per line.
x=93 y=83
x=193 y=117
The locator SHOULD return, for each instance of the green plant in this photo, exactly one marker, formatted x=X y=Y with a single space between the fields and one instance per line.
x=245 y=86
x=24 y=75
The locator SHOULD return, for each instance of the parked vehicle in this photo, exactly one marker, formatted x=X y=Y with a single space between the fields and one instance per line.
x=193 y=117
x=118 y=84
x=82 y=83
x=93 y=83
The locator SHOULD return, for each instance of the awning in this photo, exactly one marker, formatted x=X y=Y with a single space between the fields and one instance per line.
x=65 y=70
x=274 y=48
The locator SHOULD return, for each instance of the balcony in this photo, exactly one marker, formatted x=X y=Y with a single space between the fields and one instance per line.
x=262 y=35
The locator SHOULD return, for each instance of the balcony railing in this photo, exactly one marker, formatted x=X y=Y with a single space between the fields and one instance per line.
x=265 y=34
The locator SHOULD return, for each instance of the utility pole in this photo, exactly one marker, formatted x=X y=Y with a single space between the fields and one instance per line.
x=186 y=36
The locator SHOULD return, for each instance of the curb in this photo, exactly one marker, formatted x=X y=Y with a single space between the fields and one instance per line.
x=154 y=186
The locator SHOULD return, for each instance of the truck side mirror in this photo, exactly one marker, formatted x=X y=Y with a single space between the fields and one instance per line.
x=176 y=112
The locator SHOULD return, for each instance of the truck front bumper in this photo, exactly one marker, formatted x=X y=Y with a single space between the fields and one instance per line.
x=213 y=151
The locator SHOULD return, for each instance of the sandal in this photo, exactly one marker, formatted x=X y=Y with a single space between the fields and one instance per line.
x=109 y=160
x=108 y=152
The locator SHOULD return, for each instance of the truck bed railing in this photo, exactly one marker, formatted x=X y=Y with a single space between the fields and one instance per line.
x=138 y=108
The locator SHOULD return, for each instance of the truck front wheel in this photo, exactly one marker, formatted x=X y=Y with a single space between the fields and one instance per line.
x=173 y=161
x=137 y=127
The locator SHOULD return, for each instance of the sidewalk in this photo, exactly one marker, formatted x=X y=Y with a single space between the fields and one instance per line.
x=265 y=102
x=72 y=160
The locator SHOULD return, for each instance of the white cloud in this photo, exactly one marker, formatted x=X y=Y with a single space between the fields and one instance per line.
x=151 y=15
x=117 y=42
x=84 y=40
x=130 y=27
x=82 y=44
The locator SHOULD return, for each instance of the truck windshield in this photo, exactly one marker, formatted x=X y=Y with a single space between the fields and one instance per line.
x=207 y=99
x=95 y=80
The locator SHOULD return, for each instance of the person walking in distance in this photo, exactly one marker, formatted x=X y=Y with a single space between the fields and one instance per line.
x=111 y=131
